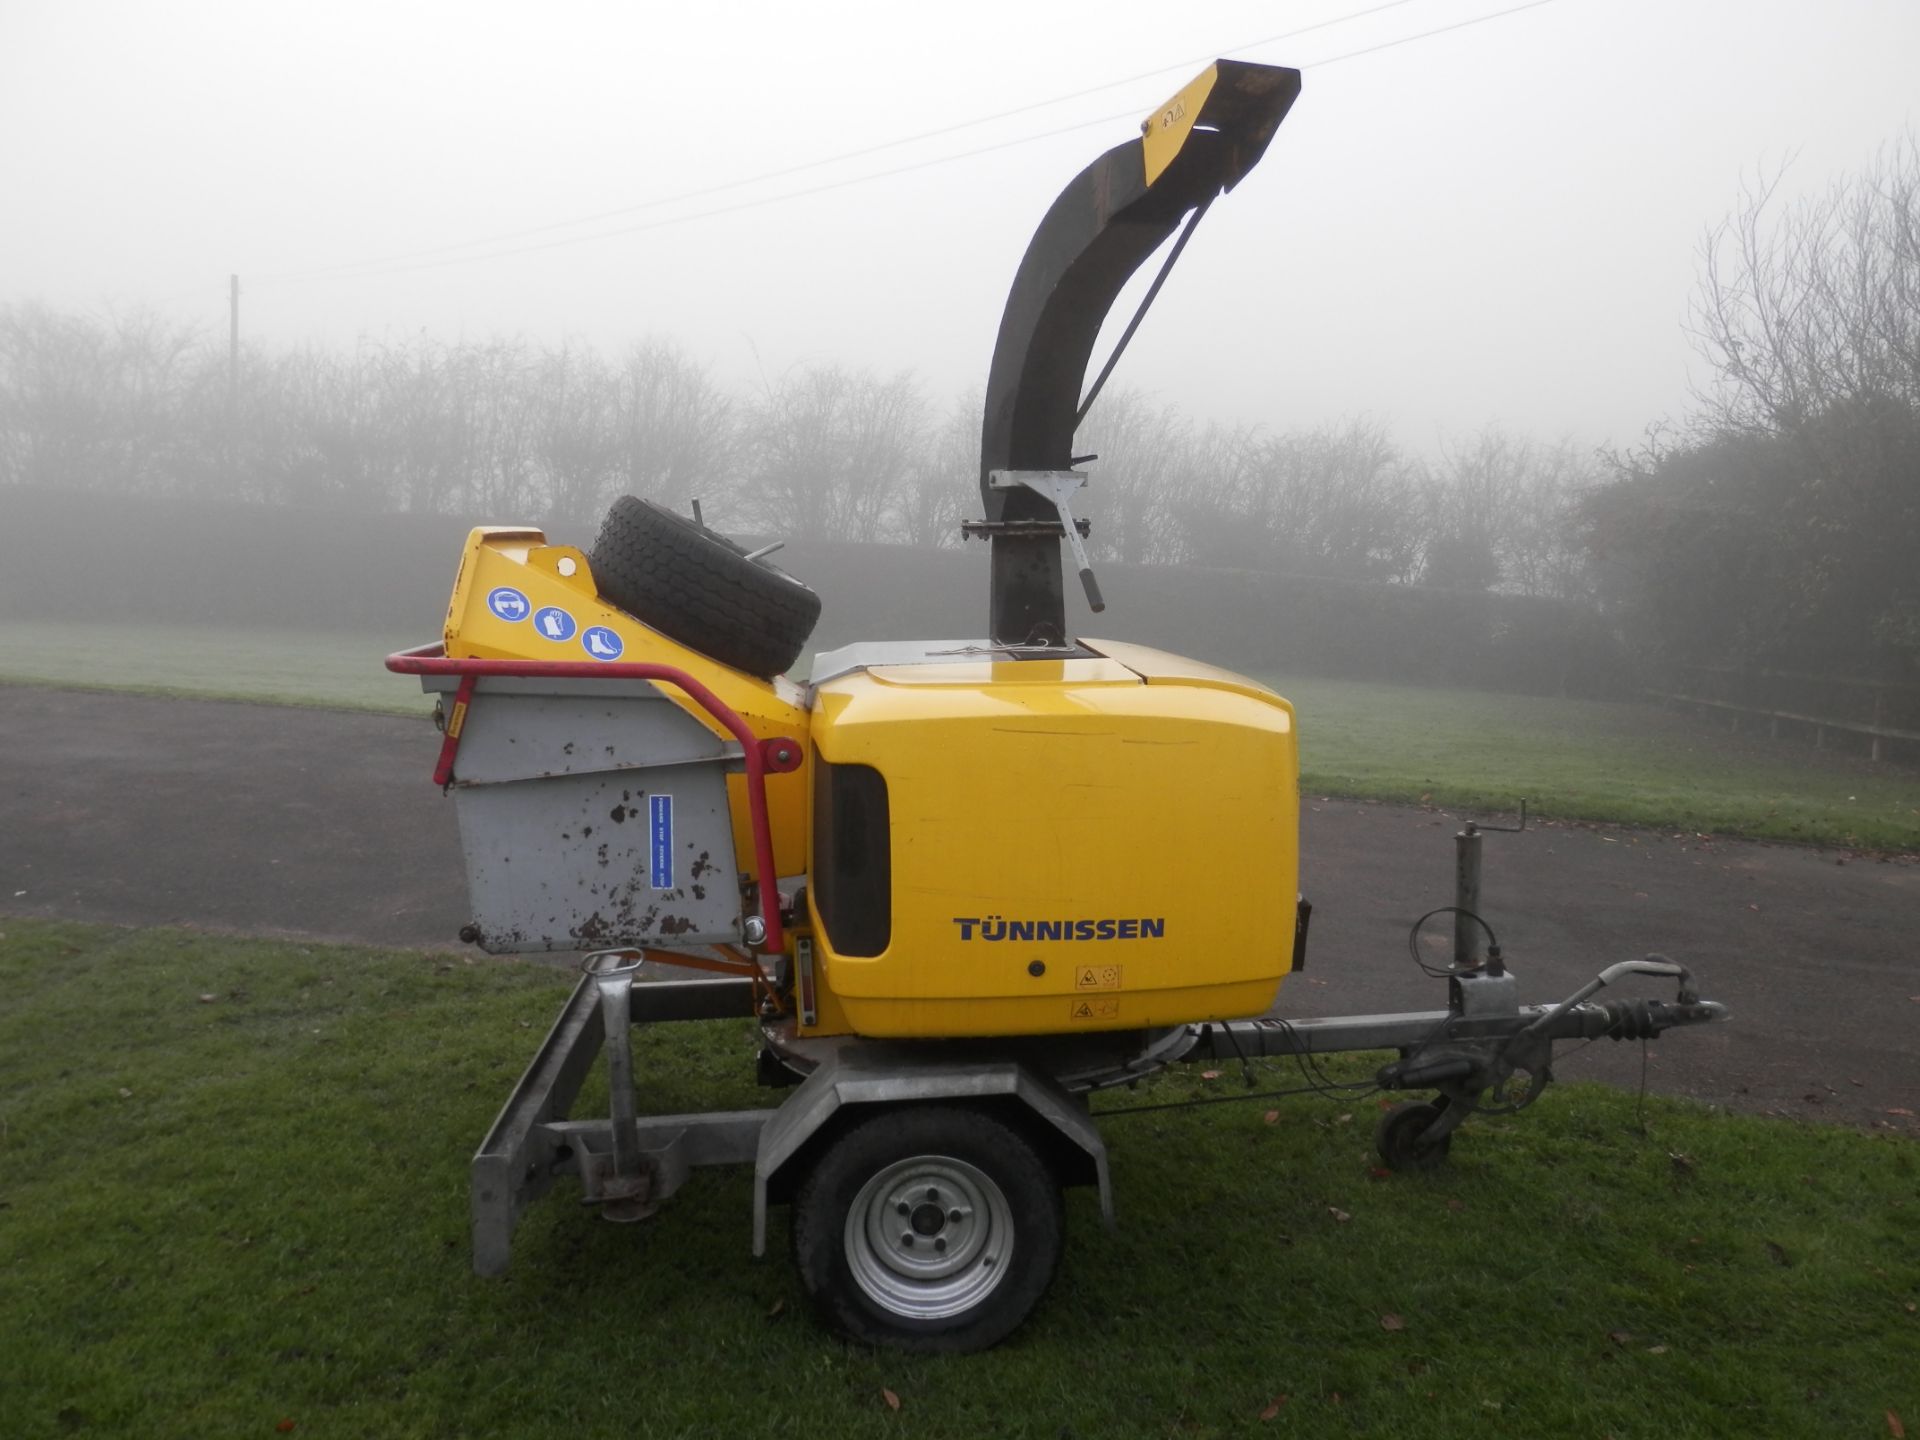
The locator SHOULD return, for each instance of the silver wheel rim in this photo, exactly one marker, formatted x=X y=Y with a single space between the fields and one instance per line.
x=929 y=1238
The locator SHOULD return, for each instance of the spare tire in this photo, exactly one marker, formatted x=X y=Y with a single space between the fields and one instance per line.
x=698 y=587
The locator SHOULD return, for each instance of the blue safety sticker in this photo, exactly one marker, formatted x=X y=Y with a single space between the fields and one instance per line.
x=508 y=603
x=601 y=643
x=660 y=836
x=553 y=623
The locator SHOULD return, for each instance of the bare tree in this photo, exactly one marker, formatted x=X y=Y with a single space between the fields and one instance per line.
x=1337 y=499
x=943 y=486
x=679 y=432
x=832 y=450
x=1132 y=490
x=88 y=403
x=1806 y=306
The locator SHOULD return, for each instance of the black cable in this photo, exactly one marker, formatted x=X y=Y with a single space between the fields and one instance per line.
x=1246 y=1065
x=1413 y=939
x=1640 y=1103
x=1199 y=1101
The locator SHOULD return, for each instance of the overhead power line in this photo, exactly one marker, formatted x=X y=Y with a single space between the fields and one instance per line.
x=422 y=260
x=842 y=158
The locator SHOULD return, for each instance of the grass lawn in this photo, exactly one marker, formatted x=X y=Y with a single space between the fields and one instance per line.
x=1571 y=759
x=287 y=667
x=232 y=1202
x=1590 y=760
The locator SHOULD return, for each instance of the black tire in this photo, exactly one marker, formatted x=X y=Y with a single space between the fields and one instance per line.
x=1398 y=1137
x=699 y=588
x=992 y=1265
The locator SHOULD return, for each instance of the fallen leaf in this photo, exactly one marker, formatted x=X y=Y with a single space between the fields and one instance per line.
x=1380 y=1172
x=1338 y=1214
x=1894 y=1427
x=1273 y=1407
x=1392 y=1323
x=284 y=1426
x=1896 y=1110
x=1656 y=1349
x=1456 y=1204
x=1209 y=1074
x=1272 y=1117
x=893 y=1400
x=1343 y=1119
x=1620 y=1337
x=208 y=999
x=1779 y=1255
x=778 y=1307
x=125 y=1094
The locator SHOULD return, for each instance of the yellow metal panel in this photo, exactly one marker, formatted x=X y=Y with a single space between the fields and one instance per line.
x=1158 y=667
x=559 y=576
x=1145 y=834
x=1165 y=131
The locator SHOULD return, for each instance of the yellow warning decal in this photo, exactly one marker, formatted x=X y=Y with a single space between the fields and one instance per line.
x=1104 y=1007
x=1096 y=977
x=457 y=720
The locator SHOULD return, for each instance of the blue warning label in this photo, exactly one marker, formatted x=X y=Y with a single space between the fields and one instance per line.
x=508 y=603
x=601 y=643
x=554 y=623
x=660 y=833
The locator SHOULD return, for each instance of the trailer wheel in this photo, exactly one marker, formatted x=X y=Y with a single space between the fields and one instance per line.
x=1398 y=1138
x=696 y=586
x=933 y=1229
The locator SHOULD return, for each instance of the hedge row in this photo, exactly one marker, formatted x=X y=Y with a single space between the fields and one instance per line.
x=102 y=557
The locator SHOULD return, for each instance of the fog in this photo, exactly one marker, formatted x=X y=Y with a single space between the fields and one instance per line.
x=1596 y=320
x=1497 y=222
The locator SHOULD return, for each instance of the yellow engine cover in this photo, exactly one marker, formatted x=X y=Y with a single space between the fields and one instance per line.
x=1085 y=844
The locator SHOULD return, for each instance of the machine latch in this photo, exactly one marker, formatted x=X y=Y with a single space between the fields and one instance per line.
x=1055 y=486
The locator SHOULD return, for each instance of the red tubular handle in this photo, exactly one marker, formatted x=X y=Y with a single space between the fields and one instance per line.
x=433 y=660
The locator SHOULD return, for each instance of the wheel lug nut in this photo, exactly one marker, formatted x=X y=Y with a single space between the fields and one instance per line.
x=932 y=1193
x=904 y=1208
x=906 y=1239
x=955 y=1216
x=940 y=1245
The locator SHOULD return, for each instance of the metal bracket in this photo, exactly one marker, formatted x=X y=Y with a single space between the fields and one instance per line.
x=1055 y=487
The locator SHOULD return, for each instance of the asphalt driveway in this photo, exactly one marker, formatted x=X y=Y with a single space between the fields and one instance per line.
x=313 y=823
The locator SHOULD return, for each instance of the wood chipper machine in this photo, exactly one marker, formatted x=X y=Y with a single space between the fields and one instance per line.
x=961 y=885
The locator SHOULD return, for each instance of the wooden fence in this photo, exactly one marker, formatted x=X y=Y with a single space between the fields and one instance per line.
x=1885 y=713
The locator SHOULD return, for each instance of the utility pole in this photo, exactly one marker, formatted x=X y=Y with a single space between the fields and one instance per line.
x=233 y=374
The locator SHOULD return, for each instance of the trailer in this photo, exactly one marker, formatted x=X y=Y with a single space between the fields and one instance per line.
x=960 y=886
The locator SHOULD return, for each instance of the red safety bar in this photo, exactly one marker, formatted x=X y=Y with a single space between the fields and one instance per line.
x=778 y=754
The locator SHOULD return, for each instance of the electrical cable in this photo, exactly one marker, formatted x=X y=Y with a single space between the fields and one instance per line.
x=1447 y=972
x=844 y=156
x=373 y=268
x=1204 y=1100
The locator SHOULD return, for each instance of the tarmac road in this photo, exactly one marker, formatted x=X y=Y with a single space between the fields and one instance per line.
x=323 y=824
